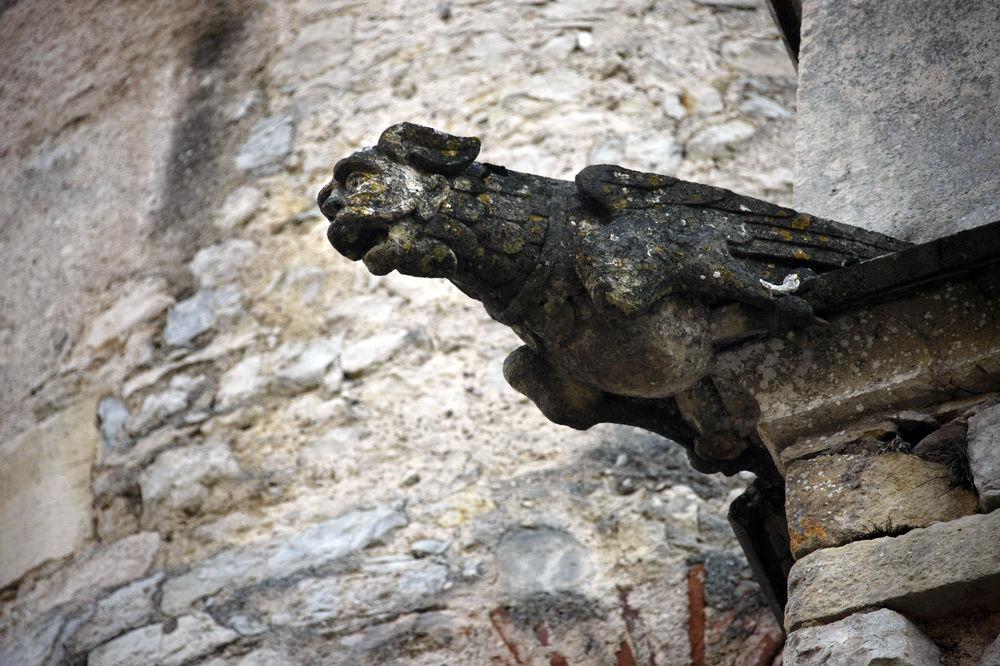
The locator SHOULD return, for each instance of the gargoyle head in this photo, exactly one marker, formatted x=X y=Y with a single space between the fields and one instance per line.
x=381 y=199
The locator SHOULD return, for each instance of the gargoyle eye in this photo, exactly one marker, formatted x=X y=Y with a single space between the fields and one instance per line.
x=353 y=181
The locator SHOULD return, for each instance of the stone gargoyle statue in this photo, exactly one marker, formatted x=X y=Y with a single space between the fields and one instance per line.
x=622 y=285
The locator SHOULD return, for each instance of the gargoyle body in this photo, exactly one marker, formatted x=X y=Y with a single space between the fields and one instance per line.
x=617 y=283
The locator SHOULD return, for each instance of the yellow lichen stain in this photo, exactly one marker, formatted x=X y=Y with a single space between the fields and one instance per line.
x=620 y=204
x=485 y=198
x=449 y=152
x=513 y=246
x=786 y=234
x=807 y=532
x=802 y=222
x=536 y=218
x=800 y=254
x=824 y=239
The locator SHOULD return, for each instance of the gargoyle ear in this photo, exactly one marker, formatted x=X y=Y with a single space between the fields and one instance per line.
x=427 y=149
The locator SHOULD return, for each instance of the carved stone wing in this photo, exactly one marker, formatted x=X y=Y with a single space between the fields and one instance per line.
x=773 y=237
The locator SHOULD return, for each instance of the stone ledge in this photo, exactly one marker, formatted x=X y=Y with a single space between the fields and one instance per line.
x=932 y=572
x=834 y=500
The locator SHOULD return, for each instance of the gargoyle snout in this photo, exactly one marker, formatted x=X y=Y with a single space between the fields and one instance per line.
x=331 y=200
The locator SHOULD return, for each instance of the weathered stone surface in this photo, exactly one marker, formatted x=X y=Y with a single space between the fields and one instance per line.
x=833 y=500
x=141 y=301
x=147 y=187
x=930 y=572
x=108 y=566
x=381 y=588
x=45 y=500
x=181 y=478
x=364 y=354
x=34 y=644
x=315 y=546
x=763 y=107
x=984 y=455
x=872 y=359
x=294 y=367
x=193 y=636
x=239 y=207
x=125 y=608
x=112 y=414
x=269 y=143
x=299 y=366
x=760 y=57
x=717 y=140
x=877 y=637
x=540 y=560
x=158 y=407
x=193 y=316
x=733 y=606
x=425 y=547
x=896 y=131
x=221 y=263
x=242 y=382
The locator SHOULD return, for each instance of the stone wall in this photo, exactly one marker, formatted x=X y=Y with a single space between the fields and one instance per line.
x=225 y=444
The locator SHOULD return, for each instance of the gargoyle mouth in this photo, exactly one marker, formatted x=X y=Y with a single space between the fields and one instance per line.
x=385 y=246
x=378 y=214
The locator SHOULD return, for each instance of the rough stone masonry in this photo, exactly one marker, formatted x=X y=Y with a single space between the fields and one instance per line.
x=258 y=453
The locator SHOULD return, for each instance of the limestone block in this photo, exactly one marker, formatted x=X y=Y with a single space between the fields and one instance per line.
x=382 y=588
x=315 y=546
x=181 y=478
x=195 y=635
x=239 y=207
x=141 y=301
x=878 y=637
x=984 y=455
x=269 y=142
x=365 y=354
x=125 y=608
x=107 y=567
x=220 y=264
x=45 y=499
x=833 y=500
x=936 y=571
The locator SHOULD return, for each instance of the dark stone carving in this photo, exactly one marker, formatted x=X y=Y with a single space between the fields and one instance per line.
x=758 y=521
x=622 y=285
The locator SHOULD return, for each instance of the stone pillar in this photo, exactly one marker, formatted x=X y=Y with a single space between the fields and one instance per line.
x=897 y=115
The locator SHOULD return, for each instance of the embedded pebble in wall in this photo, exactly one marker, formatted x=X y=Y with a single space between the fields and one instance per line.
x=140 y=301
x=221 y=263
x=112 y=415
x=239 y=207
x=719 y=140
x=181 y=478
x=269 y=143
x=363 y=355
x=302 y=365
